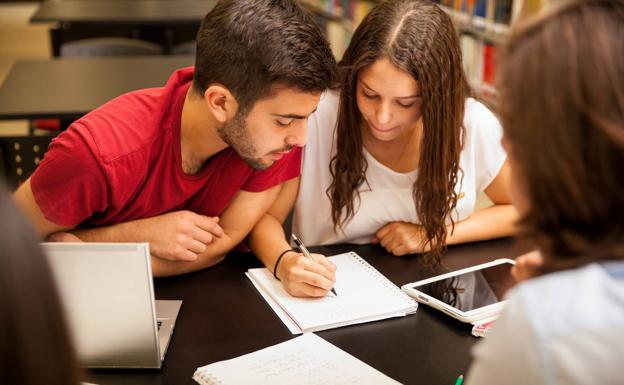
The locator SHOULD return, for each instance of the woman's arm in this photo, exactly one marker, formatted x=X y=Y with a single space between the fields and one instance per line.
x=496 y=221
x=300 y=277
x=491 y=222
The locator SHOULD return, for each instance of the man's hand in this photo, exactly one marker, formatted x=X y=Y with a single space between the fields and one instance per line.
x=63 y=236
x=304 y=278
x=400 y=238
x=527 y=266
x=180 y=235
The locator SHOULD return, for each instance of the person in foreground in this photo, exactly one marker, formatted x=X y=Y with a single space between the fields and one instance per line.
x=396 y=156
x=192 y=166
x=562 y=100
x=35 y=345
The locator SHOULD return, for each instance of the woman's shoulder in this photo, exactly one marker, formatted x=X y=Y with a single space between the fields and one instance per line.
x=477 y=115
x=323 y=121
x=554 y=298
x=328 y=104
x=483 y=131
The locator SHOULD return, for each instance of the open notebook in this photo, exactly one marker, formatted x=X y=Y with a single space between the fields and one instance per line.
x=364 y=295
x=305 y=360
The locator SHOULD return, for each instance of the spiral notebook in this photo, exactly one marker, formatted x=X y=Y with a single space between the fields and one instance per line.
x=304 y=360
x=364 y=295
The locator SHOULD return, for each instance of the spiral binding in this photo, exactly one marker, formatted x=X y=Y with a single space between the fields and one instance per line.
x=206 y=378
x=382 y=279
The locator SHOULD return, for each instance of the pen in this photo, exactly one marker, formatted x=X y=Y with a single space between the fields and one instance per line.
x=460 y=379
x=306 y=253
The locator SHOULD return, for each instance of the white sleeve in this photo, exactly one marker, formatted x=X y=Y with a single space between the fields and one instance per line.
x=484 y=134
x=312 y=213
x=510 y=354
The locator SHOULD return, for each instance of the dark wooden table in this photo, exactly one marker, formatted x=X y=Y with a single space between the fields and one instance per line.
x=69 y=88
x=223 y=316
x=114 y=14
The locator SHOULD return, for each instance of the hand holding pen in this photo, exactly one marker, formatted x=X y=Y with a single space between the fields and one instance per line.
x=306 y=253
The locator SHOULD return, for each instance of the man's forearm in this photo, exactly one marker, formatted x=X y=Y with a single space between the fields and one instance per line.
x=215 y=253
x=131 y=231
x=163 y=268
x=134 y=231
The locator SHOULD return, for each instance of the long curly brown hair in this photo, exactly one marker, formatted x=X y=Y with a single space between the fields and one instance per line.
x=562 y=107
x=419 y=38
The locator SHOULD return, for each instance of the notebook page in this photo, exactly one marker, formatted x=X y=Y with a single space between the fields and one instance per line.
x=290 y=324
x=363 y=295
x=305 y=360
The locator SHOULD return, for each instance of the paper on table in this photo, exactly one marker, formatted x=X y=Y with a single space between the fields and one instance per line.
x=305 y=360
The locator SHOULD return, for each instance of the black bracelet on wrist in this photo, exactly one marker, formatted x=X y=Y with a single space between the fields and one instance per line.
x=279 y=259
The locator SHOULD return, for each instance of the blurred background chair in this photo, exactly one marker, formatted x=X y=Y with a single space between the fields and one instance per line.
x=185 y=49
x=20 y=155
x=110 y=46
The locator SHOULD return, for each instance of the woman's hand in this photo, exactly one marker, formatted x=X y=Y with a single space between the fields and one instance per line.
x=304 y=278
x=400 y=238
x=527 y=266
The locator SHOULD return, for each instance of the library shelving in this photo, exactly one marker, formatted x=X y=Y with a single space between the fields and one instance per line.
x=482 y=25
x=339 y=18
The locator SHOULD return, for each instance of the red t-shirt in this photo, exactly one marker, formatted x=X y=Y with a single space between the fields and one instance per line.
x=122 y=162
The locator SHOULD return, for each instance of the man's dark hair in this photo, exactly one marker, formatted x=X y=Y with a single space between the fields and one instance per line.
x=251 y=45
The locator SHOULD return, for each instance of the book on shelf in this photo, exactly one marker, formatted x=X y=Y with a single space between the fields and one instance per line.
x=339 y=18
x=479 y=61
x=352 y=10
x=338 y=37
x=491 y=13
x=489 y=64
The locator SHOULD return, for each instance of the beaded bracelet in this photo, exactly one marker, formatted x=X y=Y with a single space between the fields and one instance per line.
x=279 y=259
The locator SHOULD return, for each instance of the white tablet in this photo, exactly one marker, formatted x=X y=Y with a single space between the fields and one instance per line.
x=474 y=294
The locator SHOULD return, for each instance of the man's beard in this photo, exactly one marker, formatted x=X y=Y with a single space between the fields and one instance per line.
x=236 y=135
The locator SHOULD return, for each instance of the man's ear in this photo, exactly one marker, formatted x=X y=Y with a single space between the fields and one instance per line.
x=220 y=101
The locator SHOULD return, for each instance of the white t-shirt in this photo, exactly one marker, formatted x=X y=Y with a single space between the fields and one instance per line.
x=388 y=195
x=562 y=328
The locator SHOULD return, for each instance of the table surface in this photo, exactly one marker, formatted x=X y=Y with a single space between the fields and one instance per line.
x=69 y=88
x=136 y=12
x=223 y=316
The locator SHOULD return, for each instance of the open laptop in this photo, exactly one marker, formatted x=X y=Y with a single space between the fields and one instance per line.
x=108 y=295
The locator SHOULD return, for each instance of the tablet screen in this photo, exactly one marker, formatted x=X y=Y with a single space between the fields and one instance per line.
x=472 y=290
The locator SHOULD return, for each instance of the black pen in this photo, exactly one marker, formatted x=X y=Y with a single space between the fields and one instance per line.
x=307 y=254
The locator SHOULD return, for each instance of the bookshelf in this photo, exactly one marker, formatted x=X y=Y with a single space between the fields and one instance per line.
x=482 y=26
x=339 y=18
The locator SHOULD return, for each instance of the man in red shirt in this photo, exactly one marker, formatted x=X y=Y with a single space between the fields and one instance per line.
x=192 y=166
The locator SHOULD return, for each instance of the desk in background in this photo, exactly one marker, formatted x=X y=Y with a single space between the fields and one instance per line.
x=223 y=316
x=69 y=88
x=75 y=18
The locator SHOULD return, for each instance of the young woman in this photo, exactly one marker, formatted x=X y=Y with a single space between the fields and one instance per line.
x=35 y=346
x=397 y=156
x=562 y=93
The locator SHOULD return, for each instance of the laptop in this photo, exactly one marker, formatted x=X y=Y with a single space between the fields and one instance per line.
x=108 y=295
